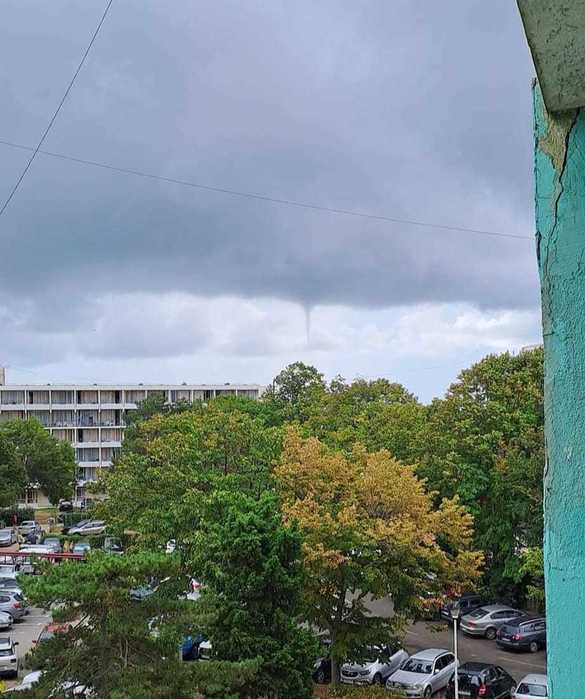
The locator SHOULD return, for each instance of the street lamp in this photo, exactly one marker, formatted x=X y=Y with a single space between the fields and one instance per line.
x=455 y=613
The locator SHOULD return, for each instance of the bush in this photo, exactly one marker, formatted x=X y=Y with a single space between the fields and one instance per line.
x=22 y=514
x=69 y=519
x=353 y=692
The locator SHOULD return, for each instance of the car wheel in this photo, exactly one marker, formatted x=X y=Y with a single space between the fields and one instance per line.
x=490 y=633
x=428 y=693
x=378 y=679
x=533 y=647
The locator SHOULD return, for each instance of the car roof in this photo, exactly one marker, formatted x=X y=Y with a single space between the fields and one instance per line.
x=534 y=678
x=429 y=654
x=475 y=667
x=527 y=619
x=496 y=607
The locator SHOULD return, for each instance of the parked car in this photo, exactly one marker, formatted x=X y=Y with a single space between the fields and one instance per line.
x=8 y=570
x=53 y=543
x=5 y=621
x=190 y=647
x=28 y=526
x=9 y=661
x=78 y=525
x=28 y=682
x=380 y=662
x=48 y=632
x=482 y=680
x=205 y=650
x=81 y=547
x=13 y=603
x=8 y=536
x=485 y=621
x=532 y=687
x=113 y=545
x=93 y=526
x=65 y=506
x=467 y=603
x=423 y=674
x=10 y=584
x=523 y=633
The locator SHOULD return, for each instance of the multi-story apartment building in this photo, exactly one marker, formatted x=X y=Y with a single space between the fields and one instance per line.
x=92 y=418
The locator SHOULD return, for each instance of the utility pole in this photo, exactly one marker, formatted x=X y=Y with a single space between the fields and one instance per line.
x=556 y=34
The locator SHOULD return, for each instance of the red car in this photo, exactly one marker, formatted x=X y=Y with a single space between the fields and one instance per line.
x=50 y=630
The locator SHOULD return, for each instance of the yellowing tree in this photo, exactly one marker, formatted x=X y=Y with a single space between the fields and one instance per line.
x=370 y=530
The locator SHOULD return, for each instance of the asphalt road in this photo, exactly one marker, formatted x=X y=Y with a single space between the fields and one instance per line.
x=25 y=631
x=421 y=636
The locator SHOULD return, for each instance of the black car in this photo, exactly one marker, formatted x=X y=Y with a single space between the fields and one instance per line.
x=524 y=633
x=467 y=603
x=482 y=680
x=322 y=667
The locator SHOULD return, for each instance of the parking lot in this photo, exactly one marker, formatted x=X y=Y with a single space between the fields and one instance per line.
x=422 y=636
x=25 y=631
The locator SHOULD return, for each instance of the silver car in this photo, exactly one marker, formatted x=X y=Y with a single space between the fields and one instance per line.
x=12 y=603
x=379 y=664
x=8 y=536
x=5 y=621
x=423 y=674
x=28 y=526
x=532 y=687
x=9 y=661
x=486 y=620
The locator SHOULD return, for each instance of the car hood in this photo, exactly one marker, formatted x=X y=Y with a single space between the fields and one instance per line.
x=356 y=667
x=409 y=677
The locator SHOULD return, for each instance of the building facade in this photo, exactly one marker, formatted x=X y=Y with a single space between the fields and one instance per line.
x=92 y=418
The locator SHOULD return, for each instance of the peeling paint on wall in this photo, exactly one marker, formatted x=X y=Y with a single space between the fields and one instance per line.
x=560 y=221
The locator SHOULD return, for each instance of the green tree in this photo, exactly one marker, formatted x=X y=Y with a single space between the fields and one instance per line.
x=13 y=478
x=174 y=458
x=38 y=459
x=484 y=443
x=250 y=564
x=294 y=390
x=369 y=528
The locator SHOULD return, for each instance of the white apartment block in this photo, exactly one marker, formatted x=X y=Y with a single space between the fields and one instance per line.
x=92 y=418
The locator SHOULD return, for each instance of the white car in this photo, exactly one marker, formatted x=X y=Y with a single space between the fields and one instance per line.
x=8 y=571
x=379 y=664
x=6 y=620
x=205 y=650
x=94 y=526
x=9 y=660
x=28 y=681
x=532 y=687
x=423 y=674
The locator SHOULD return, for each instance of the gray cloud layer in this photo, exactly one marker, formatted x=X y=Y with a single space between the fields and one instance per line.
x=412 y=108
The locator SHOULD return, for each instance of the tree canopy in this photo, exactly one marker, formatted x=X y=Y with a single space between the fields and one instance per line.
x=29 y=455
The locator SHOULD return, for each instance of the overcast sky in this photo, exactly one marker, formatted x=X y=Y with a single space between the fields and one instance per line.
x=406 y=108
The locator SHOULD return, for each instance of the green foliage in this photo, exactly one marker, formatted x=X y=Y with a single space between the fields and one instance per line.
x=35 y=457
x=250 y=564
x=22 y=514
x=531 y=573
x=114 y=647
x=294 y=390
x=174 y=459
x=484 y=442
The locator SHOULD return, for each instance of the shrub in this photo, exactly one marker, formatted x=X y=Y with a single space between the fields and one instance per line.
x=345 y=691
x=22 y=514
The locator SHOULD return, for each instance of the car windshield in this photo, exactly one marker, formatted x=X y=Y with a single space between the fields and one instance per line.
x=8 y=582
x=536 y=690
x=5 y=651
x=418 y=665
x=46 y=636
x=478 y=613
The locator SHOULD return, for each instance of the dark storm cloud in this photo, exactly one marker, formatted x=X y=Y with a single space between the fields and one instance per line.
x=407 y=108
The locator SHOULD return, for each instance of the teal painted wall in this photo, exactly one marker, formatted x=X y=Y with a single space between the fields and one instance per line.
x=560 y=225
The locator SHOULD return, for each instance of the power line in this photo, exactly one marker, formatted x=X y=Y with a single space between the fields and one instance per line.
x=265 y=198
x=56 y=113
